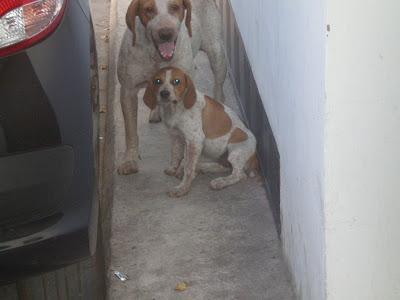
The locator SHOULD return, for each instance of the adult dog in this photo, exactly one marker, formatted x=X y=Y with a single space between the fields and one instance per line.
x=156 y=38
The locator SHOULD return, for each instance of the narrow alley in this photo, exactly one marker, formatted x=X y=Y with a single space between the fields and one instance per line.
x=224 y=245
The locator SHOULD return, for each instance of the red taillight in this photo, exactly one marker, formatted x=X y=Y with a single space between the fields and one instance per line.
x=24 y=23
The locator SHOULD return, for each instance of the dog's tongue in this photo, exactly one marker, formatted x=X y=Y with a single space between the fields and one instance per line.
x=167 y=50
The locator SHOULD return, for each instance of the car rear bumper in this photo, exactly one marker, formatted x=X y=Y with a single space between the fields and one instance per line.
x=45 y=231
x=48 y=205
x=46 y=174
x=47 y=255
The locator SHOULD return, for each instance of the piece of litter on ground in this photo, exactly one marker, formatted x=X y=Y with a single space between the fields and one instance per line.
x=121 y=276
x=181 y=286
x=103 y=67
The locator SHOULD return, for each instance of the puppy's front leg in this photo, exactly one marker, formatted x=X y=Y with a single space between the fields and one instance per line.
x=192 y=155
x=155 y=115
x=177 y=153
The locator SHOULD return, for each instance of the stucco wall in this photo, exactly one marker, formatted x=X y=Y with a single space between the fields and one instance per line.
x=285 y=41
x=363 y=150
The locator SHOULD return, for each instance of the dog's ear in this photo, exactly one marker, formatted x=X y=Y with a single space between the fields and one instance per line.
x=190 y=93
x=188 y=5
x=150 y=98
x=131 y=14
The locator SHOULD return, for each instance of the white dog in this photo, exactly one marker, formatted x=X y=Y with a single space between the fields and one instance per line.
x=201 y=125
x=156 y=39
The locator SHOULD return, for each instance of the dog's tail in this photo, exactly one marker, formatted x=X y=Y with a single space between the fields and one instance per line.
x=252 y=166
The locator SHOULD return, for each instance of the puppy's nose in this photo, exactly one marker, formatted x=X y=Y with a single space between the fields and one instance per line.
x=165 y=94
x=166 y=34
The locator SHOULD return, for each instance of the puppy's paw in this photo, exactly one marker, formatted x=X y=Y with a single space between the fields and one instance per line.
x=128 y=167
x=155 y=116
x=170 y=171
x=217 y=184
x=177 y=192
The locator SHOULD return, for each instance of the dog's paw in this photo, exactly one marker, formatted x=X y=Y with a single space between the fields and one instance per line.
x=155 y=116
x=217 y=184
x=179 y=173
x=177 y=192
x=171 y=171
x=154 y=120
x=128 y=167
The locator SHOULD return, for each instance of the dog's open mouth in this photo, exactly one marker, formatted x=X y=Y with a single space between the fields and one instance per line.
x=167 y=50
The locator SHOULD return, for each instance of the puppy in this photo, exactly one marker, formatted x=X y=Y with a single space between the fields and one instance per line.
x=200 y=125
x=163 y=33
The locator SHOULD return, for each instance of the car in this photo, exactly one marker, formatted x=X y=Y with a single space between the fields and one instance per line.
x=48 y=136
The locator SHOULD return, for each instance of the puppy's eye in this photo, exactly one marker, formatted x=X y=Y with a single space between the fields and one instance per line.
x=177 y=82
x=157 y=81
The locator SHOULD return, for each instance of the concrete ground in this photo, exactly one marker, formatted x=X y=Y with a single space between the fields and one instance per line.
x=223 y=244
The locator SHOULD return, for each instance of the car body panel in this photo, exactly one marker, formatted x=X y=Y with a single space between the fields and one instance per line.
x=46 y=127
x=85 y=7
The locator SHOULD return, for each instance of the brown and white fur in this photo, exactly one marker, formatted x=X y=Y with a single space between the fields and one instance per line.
x=163 y=33
x=200 y=125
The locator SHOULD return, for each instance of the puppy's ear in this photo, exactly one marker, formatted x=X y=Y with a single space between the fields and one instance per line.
x=150 y=98
x=190 y=93
x=131 y=14
x=188 y=5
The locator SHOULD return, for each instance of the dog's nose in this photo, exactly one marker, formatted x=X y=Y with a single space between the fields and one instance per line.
x=165 y=94
x=166 y=34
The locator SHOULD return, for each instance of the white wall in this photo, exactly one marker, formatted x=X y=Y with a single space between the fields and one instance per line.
x=363 y=150
x=285 y=41
x=340 y=151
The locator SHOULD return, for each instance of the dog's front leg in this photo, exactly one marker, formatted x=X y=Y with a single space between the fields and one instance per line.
x=177 y=153
x=129 y=105
x=215 y=53
x=192 y=155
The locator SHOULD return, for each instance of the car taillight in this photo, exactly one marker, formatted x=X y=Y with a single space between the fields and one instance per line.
x=24 y=23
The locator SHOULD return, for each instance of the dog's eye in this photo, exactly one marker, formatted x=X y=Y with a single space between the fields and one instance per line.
x=174 y=7
x=157 y=81
x=177 y=82
x=149 y=10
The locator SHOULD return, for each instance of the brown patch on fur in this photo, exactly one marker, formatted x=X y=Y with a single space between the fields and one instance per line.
x=144 y=9
x=190 y=93
x=238 y=136
x=150 y=95
x=130 y=18
x=181 y=88
x=188 y=5
x=176 y=8
x=216 y=122
x=253 y=164
x=147 y=10
x=186 y=90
